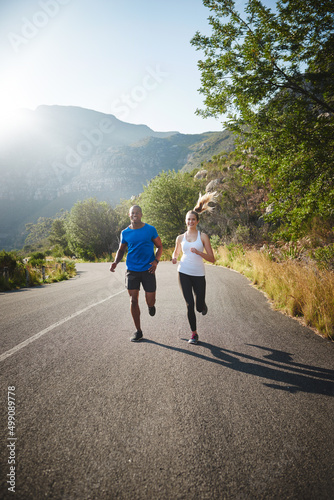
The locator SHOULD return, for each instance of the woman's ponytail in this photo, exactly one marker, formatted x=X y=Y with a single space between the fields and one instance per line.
x=203 y=201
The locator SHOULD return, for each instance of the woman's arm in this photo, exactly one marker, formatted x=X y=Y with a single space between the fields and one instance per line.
x=177 y=249
x=209 y=255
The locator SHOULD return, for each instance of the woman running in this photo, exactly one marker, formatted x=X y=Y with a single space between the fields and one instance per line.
x=191 y=267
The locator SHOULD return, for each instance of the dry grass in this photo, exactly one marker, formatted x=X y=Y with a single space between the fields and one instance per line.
x=296 y=288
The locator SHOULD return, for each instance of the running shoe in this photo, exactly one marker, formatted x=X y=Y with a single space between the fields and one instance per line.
x=137 y=336
x=151 y=311
x=194 y=339
x=205 y=310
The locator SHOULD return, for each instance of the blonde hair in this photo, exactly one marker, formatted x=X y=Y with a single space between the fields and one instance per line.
x=203 y=201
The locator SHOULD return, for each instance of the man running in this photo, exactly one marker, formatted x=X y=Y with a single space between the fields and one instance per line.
x=141 y=263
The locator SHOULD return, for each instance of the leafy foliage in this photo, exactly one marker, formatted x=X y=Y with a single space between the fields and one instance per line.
x=273 y=74
x=37 y=259
x=57 y=235
x=296 y=155
x=45 y=231
x=249 y=60
x=7 y=260
x=19 y=275
x=166 y=200
x=38 y=232
x=91 y=229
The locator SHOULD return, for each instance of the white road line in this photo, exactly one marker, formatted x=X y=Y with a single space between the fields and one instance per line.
x=20 y=346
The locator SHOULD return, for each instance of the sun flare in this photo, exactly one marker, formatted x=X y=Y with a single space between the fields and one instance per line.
x=12 y=121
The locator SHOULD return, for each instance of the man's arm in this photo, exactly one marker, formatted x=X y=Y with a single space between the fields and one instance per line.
x=158 y=244
x=119 y=256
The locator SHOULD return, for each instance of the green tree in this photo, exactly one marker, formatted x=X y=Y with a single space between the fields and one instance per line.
x=39 y=232
x=249 y=59
x=295 y=153
x=165 y=202
x=45 y=231
x=272 y=73
x=57 y=234
x=91 y=229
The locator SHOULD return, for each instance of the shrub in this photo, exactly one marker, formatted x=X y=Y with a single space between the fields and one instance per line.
x=215 y=241
x=38 y=256
x=324 y=257
x=7 y=260
x=37 y=259
x=242 y=234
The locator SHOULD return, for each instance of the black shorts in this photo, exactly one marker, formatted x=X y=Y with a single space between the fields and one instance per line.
x=134 y=278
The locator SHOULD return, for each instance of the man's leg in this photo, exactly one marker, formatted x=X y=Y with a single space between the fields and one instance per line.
x=150 y=298
x=150 y=285
x=134 y=308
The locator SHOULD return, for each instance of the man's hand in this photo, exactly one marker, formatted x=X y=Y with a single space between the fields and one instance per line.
x=153 y=267
x=118 y=257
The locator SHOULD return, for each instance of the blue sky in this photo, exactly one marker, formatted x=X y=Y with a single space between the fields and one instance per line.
x=132 y=59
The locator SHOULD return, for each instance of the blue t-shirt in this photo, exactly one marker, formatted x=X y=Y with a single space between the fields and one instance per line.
x=140 y=247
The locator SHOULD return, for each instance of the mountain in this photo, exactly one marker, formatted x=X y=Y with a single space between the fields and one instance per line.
x=58 y=155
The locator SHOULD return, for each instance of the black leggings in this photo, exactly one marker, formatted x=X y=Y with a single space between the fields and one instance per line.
x=190 y=286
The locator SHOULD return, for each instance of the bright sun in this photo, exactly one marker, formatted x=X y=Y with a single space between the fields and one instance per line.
x=12 y=121
x=11 y=100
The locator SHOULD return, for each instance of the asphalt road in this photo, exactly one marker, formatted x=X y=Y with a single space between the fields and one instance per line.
x=245 y=414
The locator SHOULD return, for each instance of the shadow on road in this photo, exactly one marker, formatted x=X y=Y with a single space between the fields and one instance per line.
x=277 y=366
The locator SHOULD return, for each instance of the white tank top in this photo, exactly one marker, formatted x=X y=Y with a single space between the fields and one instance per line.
x=190 y=262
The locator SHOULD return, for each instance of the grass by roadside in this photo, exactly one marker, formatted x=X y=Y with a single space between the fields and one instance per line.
x=17 y=274
x=297 y=288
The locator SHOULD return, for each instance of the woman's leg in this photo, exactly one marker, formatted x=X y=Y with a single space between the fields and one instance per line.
x=199 y=286
x=186 y=287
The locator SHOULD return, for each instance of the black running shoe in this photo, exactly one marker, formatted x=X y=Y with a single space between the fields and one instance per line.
x=205 y=310
x=137 y=336
x=151 y=311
